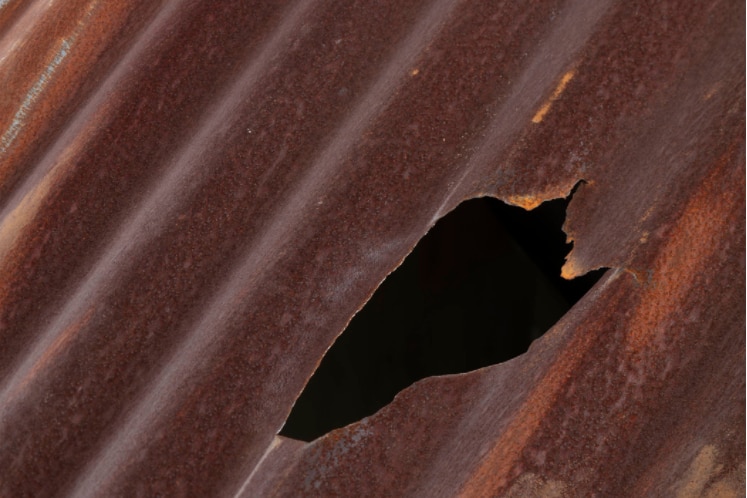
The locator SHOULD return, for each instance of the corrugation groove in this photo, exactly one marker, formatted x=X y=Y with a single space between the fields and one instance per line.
x=196 y=197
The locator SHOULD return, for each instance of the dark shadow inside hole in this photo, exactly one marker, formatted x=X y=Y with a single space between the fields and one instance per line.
x=476 y=290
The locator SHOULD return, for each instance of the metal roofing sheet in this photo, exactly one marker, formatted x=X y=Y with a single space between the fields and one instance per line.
x=196 y=197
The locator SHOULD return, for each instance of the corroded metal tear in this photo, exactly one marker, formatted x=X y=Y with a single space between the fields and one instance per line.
x=195 y=198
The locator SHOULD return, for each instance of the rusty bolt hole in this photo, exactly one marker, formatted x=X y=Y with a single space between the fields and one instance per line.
x=476 y=291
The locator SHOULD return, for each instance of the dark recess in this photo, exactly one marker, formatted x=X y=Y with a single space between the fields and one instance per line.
x=476 y=291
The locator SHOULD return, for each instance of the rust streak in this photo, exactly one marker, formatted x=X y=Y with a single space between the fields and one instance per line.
x=545 y=108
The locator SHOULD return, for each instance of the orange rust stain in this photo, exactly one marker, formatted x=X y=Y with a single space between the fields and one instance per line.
x=494 y=472
x=640 y=276
x=647 y=214
x=571 y=269
x=527 y=202
x=543 y=110
x=531 y=201
x=681 y=259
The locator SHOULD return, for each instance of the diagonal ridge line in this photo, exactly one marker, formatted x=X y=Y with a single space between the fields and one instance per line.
x=202 y=339
x=173 y=186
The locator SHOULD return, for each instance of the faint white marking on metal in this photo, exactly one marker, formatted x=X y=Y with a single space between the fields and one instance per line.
x=31 y=96
x=273 y=445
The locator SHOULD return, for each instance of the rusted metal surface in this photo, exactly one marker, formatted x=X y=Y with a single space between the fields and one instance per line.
x=196 y=197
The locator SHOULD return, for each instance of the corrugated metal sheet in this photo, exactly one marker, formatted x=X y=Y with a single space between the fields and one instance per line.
x=196 y=197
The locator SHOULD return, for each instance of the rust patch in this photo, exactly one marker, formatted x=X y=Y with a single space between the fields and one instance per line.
x=494 y=471
x=545 y=108
x=680 y=259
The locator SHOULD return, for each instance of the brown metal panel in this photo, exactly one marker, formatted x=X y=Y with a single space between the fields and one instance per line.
x=196 y=197
x=53 y=55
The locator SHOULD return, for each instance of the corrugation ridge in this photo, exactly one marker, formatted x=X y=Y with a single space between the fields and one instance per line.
x=53 y=61
x=240 y=294
x=16 y=220
x=93 y=170
x=40 y=351
x=210 y=124
x=203 y=339
x=44 y=355
x=85 y=120
x=297 y=202
x=164 y=197
x=514 y=109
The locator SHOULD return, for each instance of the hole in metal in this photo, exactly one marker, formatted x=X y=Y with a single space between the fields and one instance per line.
x=476 y=290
